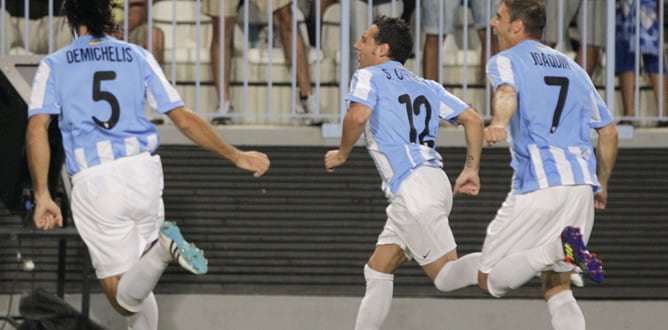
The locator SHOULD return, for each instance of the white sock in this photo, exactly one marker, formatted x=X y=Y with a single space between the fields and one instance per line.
x=377 y=299
x=138 y=282
x=459 y=273
x=514 y=270
x=147 y=317
x=565 y=311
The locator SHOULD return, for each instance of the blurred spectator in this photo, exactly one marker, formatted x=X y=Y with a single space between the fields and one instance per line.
x=625 y=50
x=430 y=26
x=573 y=12
x=282 y=11
x=38 y=27
x=359 y=19
x=138 y=26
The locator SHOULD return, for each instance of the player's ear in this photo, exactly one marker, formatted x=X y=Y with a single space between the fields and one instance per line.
x=517 y=25
x=384 y=49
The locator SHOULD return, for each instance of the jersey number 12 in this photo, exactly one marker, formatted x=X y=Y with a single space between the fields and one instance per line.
x=413 y=108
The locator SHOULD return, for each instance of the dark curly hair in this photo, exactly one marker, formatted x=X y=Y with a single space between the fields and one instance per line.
x=94 y=14
x=395 y=32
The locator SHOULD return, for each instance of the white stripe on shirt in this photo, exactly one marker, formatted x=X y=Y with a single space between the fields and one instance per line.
x=505 y=70
x=444 y=111
x=381 y=161
x=582 y=163
x=39 y=86
x=537 y=161
x=595 y=111
x=80 y=157
x=408 y=155
x=131 y=146
x=152 y=142
x=104 y=151
x=172 y=94
x=563 y=166
x=363 y=86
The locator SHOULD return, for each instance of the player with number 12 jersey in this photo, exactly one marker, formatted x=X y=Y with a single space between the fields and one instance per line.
x=549 y=134
x=406 y=110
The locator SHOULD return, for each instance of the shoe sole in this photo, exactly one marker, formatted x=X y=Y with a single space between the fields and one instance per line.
x=187 y=255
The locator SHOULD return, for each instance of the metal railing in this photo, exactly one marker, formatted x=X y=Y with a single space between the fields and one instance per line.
x=267 y=91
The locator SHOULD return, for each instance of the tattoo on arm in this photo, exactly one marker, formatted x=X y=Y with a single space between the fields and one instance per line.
x=469 y=160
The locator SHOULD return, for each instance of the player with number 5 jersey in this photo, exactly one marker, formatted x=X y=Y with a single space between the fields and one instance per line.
x=399 y=114
x=96 y=88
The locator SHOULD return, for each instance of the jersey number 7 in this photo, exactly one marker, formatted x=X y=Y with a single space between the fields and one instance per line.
x=563 y=91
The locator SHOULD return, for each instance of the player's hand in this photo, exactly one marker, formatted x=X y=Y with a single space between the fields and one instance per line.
x=468 y=183
x=601 y=198
x=333 y=159
x=47 y=214
x=254 y=161
x=495 y=133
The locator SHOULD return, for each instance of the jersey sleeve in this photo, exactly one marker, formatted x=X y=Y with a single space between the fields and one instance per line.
x=161 y=95
x=500 y=72
x=43 y=99
x=362 y=89
x=600 y=114
x=449 y=106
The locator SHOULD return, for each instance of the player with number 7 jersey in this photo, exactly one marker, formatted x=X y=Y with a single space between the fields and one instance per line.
x=545 y=106
x=557 y=107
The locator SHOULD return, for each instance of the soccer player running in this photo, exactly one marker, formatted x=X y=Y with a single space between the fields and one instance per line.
x=544 y=105
x=96 y=87
x=399 y=114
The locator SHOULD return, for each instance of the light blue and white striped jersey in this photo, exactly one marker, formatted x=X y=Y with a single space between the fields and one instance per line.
x=402 y=131
x=97 y=87
x=557 y=106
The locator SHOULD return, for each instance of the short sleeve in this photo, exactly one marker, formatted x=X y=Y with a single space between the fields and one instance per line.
x=43 y=96
x=161 y=95
x=362 y=89
x=500 y=72
x=449 y=106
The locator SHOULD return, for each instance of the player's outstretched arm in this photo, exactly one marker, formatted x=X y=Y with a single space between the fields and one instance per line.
x=468 y=181
x=47 y=213
x=606 y=156
x=200 y=132
x=505 y=106
x=353 y=126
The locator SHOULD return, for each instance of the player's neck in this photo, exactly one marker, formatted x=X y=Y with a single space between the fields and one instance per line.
x=82 y=30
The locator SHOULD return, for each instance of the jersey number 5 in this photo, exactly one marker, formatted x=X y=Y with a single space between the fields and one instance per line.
x=413 y=108
x=563 y=91
x=100 y=95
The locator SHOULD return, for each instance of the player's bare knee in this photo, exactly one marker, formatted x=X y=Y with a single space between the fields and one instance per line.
x=387 y=258
x=554 y=283
x=120 y=310
x=482 y=283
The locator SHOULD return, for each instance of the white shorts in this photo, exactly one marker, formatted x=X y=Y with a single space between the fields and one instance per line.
x=417 y=217
x=117 y=208
x=526 y=221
